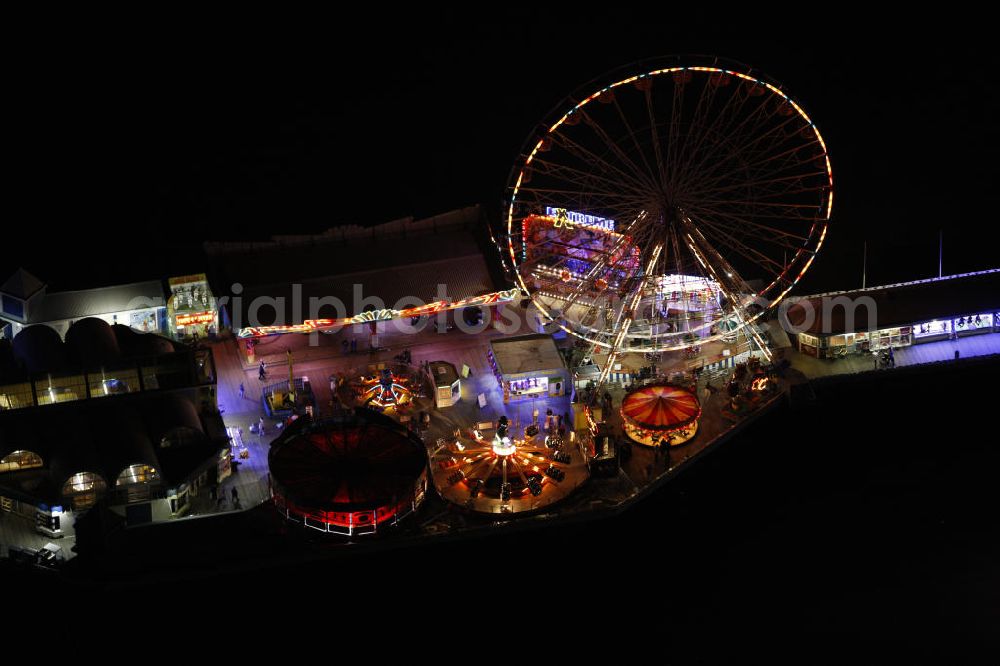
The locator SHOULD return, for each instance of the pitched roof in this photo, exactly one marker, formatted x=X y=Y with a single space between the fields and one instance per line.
x=22 y=284
x=60 y=305
x=461 y=277
x=900 y=304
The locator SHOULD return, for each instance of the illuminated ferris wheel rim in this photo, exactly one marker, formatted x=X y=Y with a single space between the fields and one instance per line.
x=719 y=66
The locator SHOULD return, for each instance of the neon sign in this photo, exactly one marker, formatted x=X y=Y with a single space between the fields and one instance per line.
x=313 y=325
x=568 y=219
x=196 y=318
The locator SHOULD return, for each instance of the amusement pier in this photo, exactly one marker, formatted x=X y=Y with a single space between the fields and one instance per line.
x=631 y=307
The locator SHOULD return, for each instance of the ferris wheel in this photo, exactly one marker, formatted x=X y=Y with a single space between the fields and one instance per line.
x=667 y=205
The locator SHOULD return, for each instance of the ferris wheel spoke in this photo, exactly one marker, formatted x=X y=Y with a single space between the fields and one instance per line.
x=803 y=212
x=565 y=192
x=587 y=156
x=724 y=167
x=640 y=175
x=714 y=131
x=657 y=149
x=750 y=174
x=762 y=183
x=753 y=145
x=681 y=164
x=736 y=225
x=557 y=170
x=635 y=141
x=743 y=223
x=749 y=126
x=755 y=256
x=600 y=204
x=673 y=132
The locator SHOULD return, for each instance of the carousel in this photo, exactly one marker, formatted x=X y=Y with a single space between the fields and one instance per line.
x=656 y=413
x=507 y=473
x=351 y=474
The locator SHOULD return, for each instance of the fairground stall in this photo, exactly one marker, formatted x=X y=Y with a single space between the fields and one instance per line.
x=447 y=383
x=352 y=474
x=658 y=413
x=528 y=366
x=876 y=318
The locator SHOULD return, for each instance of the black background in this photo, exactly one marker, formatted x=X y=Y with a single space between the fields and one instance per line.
x=156 y=139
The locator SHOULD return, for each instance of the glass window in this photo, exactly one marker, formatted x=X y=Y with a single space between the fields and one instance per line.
x=84 y=489
x=135 y=474
x=60 y=389
x=13 y=307
x=17 y=460
x=113 y=382
x=16 y=396
x=84 y=482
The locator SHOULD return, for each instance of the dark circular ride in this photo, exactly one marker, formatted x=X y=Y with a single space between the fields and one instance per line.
x=351 y=474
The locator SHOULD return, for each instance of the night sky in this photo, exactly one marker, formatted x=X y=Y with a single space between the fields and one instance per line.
x=148 y=147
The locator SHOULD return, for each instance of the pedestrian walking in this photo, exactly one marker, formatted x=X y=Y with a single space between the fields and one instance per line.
x=236 y=497
x=242 y=391
x=354 y=345
x=260 y=426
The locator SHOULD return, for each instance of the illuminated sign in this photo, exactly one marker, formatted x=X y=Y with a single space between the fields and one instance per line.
x=568 y=218
x=313 y=325
x=931 y=328
x=197 y=278
x=196 y=318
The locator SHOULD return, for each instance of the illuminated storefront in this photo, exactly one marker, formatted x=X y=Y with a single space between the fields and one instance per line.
x=191 y=308
x=904 y=314
x=447 y=384
x=528 y=366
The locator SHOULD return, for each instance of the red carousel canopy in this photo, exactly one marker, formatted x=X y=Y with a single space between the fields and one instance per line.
x=661 y=407
x=360 y=463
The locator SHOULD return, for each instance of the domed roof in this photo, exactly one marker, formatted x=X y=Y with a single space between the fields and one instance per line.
x=9 y=370
x=133 y=343
x=40 y=349
x=92 y=343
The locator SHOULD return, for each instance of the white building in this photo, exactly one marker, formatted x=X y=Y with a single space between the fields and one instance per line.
x=25 y=300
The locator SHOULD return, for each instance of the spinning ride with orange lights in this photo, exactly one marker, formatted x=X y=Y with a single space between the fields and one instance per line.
x=506 y=474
